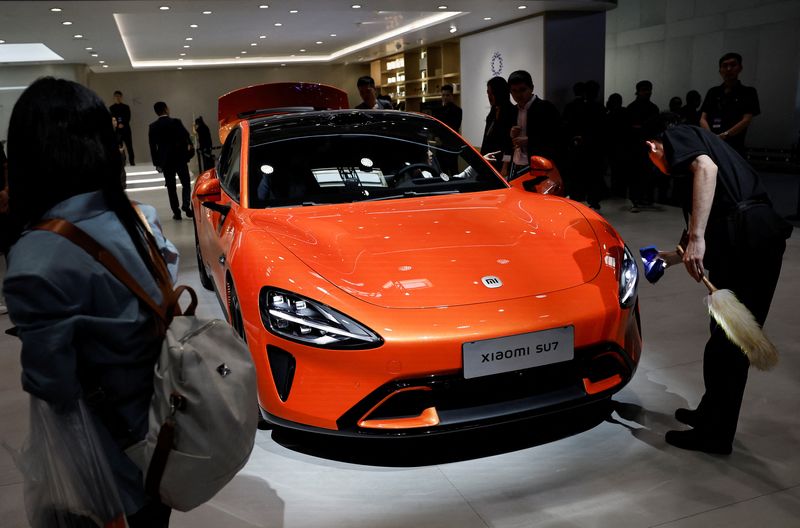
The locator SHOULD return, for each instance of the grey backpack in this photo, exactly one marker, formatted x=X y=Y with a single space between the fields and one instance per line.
x=202 y=419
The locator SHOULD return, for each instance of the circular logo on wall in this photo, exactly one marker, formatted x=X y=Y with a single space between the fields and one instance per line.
x=496 y=64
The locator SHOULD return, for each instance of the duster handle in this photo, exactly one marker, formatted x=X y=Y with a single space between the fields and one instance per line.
x=711 y=287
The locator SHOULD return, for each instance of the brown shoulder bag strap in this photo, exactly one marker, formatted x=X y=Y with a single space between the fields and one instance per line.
x=81 y=239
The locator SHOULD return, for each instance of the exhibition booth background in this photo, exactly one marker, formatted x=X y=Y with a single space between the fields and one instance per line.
x=675 y=44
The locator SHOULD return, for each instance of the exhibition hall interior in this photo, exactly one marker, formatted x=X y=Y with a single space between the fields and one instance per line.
x=332 y=452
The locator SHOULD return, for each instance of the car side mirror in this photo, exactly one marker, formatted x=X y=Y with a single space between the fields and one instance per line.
x=542 y=177
x=209 y=190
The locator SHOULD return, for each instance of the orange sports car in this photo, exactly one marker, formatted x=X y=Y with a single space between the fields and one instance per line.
x=389 y=282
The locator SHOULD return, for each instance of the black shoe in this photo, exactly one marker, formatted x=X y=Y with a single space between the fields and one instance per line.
x=176 y=216
x=694 y=441
x=189 y=213
x=687 y=416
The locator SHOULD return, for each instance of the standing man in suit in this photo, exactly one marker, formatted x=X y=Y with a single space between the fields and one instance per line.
x=122 y=113
x=169 y=149
x=537 y=126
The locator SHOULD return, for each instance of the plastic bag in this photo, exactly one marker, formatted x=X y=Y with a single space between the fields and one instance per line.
x=68 y=481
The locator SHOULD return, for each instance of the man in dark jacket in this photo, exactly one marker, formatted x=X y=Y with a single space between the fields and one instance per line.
x=122 y=113
x=169 y=149
x=734 y=232
x=538 y=123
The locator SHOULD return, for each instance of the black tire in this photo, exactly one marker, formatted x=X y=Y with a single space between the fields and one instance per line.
x=205 y=280
x=235 y=311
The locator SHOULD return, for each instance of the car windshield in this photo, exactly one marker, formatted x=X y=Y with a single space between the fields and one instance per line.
x=350 y=156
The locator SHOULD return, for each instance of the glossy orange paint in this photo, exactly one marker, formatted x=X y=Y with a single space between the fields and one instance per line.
x=411 y=270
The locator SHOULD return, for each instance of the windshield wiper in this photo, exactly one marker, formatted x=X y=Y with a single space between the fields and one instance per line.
x=409 y=194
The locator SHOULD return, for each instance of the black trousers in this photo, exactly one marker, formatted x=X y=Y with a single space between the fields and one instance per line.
x=752 y=275
x=182 y=172
x=153 y=515
x=125 y=134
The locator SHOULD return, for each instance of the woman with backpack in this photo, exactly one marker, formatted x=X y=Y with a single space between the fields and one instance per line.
x=87 y=341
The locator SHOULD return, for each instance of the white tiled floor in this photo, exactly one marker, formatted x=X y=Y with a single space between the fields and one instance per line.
x=601 y=470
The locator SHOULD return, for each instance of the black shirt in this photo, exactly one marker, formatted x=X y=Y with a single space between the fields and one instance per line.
x=737 y=181
x=723 y=110
x=122 y=112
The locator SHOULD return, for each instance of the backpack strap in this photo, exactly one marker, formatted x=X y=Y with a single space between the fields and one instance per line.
x=81 y=239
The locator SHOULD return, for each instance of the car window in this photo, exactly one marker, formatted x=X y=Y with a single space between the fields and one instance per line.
x=340 y=158
x=229 y=164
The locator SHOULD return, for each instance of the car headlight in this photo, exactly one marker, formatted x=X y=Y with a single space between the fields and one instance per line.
x=628 y=279
x=300 y=319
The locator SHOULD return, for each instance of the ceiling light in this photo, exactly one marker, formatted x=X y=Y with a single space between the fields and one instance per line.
x=27 y=53
x=182 y=54
x=164 y=8
x=186 y=46
x=278 y=24
x=66 y=23
x=55 y=9
x=94 y=54
x=333 y=34
x=102 y=62
x=254 y=43
x=442 y=7
x=453 y=29
x=319 y=42
x=237 y=57
x=356 y=6
x=78 y=36
x=263 y=6
x=180 y=67
x=206 y=12
x=283 y=64
x=487 y=18
x=262 y=36
x=293 y=11
x=89 y=48
x=2 y=41
x=302 y=50
x=192 y=25
x=522 y=7
x=189 y=38
x=180 y=59
x=243 y=52
x=105 y=65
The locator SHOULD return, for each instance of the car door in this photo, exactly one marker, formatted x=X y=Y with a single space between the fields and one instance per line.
x=219 y=221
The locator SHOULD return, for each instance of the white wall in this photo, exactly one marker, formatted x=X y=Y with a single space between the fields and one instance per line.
x=15 y=79
x=194 y=92
x=519 y=45
x=677 y=44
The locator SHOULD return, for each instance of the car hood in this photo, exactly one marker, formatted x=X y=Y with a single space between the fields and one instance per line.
x=442 y=250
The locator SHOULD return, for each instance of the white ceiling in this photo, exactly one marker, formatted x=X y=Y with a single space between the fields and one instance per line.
x=131 y=35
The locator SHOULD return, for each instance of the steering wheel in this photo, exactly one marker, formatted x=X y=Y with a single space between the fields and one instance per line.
x=421 y=166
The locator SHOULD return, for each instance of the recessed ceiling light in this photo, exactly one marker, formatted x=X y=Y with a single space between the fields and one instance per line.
x=2 y=41
x=243 y=52
x=182 y=54
x=442 y=7
x=180 y=59
x=237 y=57
x=263 y=6
x=186 y=46
x=302 y=50
x=356 y=6
x=318 y=42
x=102 y=62
x=262 y=36
x=94 y=54
x=293 y=11
x=283 y=64
x=254 y=43
x=192 y=25
x=278 y=24
x=522 y=7
x=487 y=18
x=180 y=67
x=78 y=36
x=453 y=29
x=89 y=48
x=66 y=23
x=189 y=38
x=55 y=9
x=164 y=8
x=105 y=65
x=206 y=12
x=333 y=34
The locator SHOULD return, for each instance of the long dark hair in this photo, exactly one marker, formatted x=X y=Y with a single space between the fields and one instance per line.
x=61 y=144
